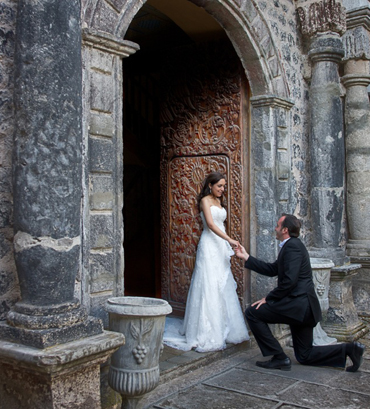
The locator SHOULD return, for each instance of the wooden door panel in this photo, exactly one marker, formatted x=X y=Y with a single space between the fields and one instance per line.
x=186 y=175
x=201 y=131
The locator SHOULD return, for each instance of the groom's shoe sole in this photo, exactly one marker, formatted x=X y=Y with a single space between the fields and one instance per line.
x=357 y=356
x=282 y=364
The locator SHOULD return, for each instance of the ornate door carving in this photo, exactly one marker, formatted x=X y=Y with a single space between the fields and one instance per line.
x=201 y=131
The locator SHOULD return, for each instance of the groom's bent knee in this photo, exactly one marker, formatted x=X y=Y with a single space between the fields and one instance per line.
x=249 y=313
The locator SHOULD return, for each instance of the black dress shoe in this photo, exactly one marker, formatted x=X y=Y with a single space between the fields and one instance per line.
x=273 y=363
x=355 y=352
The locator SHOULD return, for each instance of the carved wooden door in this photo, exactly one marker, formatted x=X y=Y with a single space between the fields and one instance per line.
x=202 y=127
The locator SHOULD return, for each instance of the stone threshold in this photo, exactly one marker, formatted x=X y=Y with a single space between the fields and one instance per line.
x=174 y=363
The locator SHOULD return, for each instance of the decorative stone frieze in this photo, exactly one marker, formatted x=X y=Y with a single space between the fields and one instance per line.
x=322 y=16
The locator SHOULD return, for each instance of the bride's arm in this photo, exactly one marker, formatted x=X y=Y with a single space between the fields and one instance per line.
x=206 y=208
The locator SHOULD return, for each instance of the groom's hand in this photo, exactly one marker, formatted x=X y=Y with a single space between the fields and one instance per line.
x=259 y=303
x=241 y=252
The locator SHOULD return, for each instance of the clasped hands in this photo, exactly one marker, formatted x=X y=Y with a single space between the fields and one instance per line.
x=241 y=252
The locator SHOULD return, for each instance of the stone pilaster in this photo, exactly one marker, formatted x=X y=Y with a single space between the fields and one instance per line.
x=356 y=80
x=271 y=166
x=323 y=22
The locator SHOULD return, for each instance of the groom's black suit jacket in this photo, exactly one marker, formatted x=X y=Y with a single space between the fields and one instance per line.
x=295 y=290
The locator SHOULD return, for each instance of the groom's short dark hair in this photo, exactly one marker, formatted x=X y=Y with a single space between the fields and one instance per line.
x=292 y=224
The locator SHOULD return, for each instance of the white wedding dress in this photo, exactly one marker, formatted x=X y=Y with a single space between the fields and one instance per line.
x=213 y=315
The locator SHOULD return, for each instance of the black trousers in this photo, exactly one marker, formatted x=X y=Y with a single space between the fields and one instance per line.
x=302 y=335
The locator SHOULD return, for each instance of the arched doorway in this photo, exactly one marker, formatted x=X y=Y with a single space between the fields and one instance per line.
x=185 y=114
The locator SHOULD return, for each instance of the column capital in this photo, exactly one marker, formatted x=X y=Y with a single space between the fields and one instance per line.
x=322 y=16
x=351 y=80
x=326 y=47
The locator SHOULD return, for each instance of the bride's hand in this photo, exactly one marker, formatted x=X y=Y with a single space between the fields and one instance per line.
x=233 y=243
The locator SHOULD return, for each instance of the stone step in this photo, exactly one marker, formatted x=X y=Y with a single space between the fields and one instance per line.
x=174 y=363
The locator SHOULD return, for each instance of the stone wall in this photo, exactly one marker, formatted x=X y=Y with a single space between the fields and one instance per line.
x=9 y=291
x=282 y=19
x=289 y=175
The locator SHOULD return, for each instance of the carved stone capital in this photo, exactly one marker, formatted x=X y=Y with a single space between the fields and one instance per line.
x=322 y=16
x=356 y=42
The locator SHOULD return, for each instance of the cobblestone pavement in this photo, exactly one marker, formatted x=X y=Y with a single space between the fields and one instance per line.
x=234 y=382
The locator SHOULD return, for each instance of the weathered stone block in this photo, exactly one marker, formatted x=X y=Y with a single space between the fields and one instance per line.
x=283 y=164
x=249 y=9
x=101 y=92
x=101 y=192
x=102 y=124
x=101 y=154
x=102 y=233
x=283 y=190
x=97 y=307
x=105 y=17
x=102 y=61
x=102 y=272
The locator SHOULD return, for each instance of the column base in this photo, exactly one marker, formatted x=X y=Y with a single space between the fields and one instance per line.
x=63 y=376
x=342 y=321
x=361 y=287
x=43 y=338
x=347 y=333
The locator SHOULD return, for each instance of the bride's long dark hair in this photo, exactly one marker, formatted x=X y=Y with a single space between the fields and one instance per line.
x=212 y=179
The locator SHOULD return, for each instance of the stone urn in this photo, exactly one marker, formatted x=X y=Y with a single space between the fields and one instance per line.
x=134 y=368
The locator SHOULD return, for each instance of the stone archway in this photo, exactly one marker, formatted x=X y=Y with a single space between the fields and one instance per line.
x=104 y=27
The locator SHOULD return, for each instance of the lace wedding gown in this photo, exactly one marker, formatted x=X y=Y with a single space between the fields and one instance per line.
x=213 y=315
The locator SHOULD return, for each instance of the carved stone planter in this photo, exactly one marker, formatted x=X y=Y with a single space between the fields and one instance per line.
x=134 y=369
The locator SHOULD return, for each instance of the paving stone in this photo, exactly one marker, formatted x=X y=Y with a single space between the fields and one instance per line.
x=206 y=397
x=307 y=373
x=323 y=397
x=356 y=382
x=249 y=381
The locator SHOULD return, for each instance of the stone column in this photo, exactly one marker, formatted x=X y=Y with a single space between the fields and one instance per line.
x=50 y=349
x=323 y=22
x=357 y=118
x=47 y=175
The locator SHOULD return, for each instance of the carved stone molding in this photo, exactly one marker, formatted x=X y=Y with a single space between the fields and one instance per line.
x=271 y=100
x=109 y=43
x=358 y=17
x=322 y=16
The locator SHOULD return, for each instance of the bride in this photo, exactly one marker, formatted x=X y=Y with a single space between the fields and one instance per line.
x=213 y=315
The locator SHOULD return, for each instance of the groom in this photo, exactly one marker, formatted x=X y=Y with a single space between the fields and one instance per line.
x=293 y=302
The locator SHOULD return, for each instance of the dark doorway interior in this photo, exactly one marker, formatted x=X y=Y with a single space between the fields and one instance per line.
x=157 y=36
